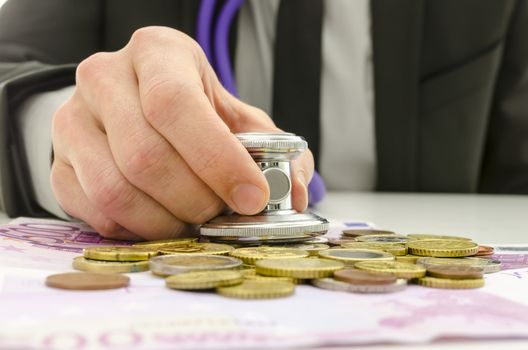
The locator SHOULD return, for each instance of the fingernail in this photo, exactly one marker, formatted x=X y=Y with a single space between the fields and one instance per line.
x=248 y=199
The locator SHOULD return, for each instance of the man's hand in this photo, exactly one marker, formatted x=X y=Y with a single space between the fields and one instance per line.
x=145 y=145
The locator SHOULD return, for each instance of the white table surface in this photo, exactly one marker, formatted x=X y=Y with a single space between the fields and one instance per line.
x=485 y=218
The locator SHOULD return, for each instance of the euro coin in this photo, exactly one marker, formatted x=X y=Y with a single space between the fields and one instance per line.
x=487 y=265
x=383 y=238
x=332 y=284
x=164 y=242
x=485 y=250
x=442 y=247
x=87 y=281
x=420 y=236
x=317 y=239
x=88 y=265
x=109 y=253
x=270 y=278
x=362 y=232
x=351 y=256
x=204 y=279
x=341 y=241
x=165 y=265
x=398 y=269
x=396 y=249
x=252 y=254
x=445 y=283
x=409 y=258
x=356 y=276
x=312 y=248
x=255 y=289
x=258 y=240
x=455 y=271
x=196 y=248
x=298 y=268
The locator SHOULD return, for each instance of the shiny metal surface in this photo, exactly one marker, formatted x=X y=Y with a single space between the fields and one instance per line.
x=273 y=153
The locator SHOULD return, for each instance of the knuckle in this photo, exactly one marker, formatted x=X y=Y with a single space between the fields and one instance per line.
x=145 y=161
x=164 y=97
x=93 y=66
x=210 y=160
x=110 y=194
x=62 y=120
x=145 y=35
x=107 y=228
x=207 y=212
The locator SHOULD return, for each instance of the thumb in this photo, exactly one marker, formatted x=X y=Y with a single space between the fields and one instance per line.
x=241 y=117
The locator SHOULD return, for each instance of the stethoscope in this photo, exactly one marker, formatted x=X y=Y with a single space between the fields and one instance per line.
x=217 y=53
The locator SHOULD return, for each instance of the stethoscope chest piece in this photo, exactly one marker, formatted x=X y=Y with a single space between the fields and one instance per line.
x=278 y=222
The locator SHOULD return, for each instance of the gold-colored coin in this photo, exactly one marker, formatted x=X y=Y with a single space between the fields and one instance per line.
x=196 y=248
x=204 y=279
x=164 y=242
x=396 y=249
x=270 y=278
x=248 y=272
x=420 y=236
x=392 y=238
x=446 y=283
x=252 y=254
x=443 y=247
x=351 y=256
x=409 y=258
x=487 y=265
x=455 y=272
x=166 y=265
x=258 y=290
x=109 y=253
x=298 y=268
x=88 y=265
x=398 y=269
x=365 y=232
x=312 y=248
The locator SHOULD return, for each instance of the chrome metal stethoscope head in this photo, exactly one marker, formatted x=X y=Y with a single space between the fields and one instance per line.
x=278 y=222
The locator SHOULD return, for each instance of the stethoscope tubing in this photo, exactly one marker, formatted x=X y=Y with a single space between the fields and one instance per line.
x=220 y=59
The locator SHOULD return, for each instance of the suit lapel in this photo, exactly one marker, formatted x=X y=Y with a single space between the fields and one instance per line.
x=396 y=37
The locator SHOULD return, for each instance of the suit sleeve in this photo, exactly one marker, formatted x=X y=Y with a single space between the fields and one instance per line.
x=505 y=162
x=40 y=44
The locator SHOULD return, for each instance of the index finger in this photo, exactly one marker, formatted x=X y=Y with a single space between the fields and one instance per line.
x=174 y=102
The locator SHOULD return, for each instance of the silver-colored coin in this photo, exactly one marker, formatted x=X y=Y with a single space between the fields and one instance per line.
x=351 y=256
x=332 y=284
x=488 y=265
x=383 y=238
x=317 y=239
x=299 y=238
x=166 y=265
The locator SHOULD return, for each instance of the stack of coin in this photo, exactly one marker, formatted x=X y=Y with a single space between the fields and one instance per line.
x=358 y=281
x=364 y=261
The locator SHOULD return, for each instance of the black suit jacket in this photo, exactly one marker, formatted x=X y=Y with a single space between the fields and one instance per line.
x=451 y=84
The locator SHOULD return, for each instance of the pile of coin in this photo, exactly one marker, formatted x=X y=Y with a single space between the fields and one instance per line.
x=360 y=261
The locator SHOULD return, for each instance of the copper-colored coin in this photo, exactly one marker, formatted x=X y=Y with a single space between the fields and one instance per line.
x=455 y=271
x=87 y=281
x=340 y=241
x=485 y=250
x=355 y=276
x=362 y=232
